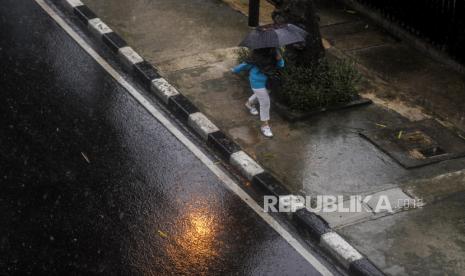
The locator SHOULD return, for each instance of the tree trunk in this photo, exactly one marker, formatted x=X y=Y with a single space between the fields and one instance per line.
x=303 y=14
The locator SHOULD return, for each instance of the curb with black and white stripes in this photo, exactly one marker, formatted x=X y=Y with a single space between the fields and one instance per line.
x=316 y=227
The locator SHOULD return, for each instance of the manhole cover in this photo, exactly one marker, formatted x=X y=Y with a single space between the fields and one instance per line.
x=418 y=144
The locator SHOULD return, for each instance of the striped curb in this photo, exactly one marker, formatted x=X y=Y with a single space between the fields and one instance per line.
x=71 y=4
x=334 y=243
x=98 y=27
x=269 y=184
x=315 y=226
x=222 y=145
x=201 y=125
x=129 y=56
x=245 y=164
x=163 y=90
x=228 y=150
x=364 y=267
x=113 y=41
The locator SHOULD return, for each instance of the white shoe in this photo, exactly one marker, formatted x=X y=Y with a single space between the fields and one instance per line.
x=251 y=109
x=266 y=130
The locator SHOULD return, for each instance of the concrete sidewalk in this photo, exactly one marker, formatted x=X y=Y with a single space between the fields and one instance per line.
x=193 y=44
x=409 y=75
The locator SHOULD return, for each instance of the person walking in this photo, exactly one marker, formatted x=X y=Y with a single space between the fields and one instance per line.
x=261 y=63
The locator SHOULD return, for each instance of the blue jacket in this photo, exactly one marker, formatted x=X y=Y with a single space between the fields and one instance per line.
x=256 y=77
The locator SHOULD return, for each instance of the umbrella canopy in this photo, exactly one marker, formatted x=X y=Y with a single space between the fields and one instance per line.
x=271 y=36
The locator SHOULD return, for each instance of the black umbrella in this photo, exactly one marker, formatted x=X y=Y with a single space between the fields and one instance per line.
x=272 y=36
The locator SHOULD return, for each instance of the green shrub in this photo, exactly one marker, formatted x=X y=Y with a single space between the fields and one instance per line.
x=326 y=84
x=242 y=54
x=323 y=85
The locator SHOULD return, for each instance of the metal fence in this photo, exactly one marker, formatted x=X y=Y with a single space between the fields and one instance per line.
x=440 y=22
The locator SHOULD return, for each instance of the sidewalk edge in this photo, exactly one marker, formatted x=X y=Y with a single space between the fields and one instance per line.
x=188 y=114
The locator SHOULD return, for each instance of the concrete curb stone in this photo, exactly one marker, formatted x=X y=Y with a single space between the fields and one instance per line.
x=244 y=163
x=146 y=73
x=229 y=151
x=129 y=57
x=269 y=184
x=113 y=41
x=345 y=253
x=99 y=28
x=71 y=4
x=312 y=223
x=84 y=13
x=364 y=267
x=201 y=125
x=181 y=107
x=163 y=90
x=222 y=144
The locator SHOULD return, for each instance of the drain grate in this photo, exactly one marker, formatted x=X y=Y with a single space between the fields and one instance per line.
x=419 y=144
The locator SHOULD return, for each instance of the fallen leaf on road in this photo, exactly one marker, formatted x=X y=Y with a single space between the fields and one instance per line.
x=85 y=157
x=381 y=125
x=162 y=234
x=399 y=135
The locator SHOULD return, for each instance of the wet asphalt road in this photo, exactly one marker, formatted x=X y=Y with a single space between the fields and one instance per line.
x=91 y=183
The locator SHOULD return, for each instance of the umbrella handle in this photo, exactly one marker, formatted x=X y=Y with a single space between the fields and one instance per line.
x=279 y=54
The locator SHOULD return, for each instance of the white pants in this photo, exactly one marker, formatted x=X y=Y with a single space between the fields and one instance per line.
x=261 y=96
